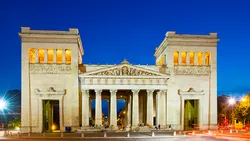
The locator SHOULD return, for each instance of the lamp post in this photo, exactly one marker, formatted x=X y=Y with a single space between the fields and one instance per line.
x=231 y=103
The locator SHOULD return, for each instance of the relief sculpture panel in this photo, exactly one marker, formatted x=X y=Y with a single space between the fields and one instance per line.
x=49 y=68
x=192 y=70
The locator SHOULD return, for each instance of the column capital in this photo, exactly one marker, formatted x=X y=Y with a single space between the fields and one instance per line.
x=85 y=90
x=98 y=90
x=163 y=91
x=135 y=91
x=113 y=91
x=150 y=91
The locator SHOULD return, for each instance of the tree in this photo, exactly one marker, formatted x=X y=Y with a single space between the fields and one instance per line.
x=242 y=110
x=15 y=122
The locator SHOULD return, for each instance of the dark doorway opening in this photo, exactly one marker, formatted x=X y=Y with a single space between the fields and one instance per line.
x=51 y=116
x=191 y=112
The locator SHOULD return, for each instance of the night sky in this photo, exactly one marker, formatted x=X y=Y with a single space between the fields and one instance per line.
x=131 y=29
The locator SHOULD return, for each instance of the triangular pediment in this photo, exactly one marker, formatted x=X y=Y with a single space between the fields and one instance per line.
x=124 y=69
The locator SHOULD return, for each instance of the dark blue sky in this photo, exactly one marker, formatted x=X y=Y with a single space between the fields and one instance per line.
x=132 y=29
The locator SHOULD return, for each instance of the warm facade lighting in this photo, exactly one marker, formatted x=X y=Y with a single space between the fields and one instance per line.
x=191 y=55
x=32 y=55
x=68 y=56
x=41 y=55
x=59 y=56
x=199 y=54
x=176 y=56
x=208 y=56
x=184 y=58
x=50 y=56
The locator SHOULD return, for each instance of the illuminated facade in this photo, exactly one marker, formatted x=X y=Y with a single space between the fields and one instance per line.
x=180 y=90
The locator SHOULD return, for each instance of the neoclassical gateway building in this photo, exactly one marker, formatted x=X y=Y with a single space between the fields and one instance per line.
x=57 y=87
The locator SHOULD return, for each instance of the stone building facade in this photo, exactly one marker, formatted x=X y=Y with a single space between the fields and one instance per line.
x=180 y=90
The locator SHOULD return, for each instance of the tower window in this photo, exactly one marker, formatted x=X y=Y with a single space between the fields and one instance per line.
x=41 y=55
x=176 y=56
x=191 y=55
x=59 y=56
x=68 y=56
x=50 y=55
x=184 y=58
x=199 y=54
x=208 y=55
x=32 y=55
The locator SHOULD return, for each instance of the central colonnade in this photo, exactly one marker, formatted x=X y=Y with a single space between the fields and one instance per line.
x=142 y=106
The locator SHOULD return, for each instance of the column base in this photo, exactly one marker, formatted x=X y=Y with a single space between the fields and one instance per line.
x=112 y=127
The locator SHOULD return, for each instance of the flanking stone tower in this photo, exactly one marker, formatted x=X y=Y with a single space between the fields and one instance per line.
x=193 y=61
x=50 y=62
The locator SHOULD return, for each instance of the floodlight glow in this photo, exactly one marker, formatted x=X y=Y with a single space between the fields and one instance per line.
x=2 y=104
x=231 y=101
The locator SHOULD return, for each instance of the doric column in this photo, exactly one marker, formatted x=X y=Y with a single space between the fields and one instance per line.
x=36 y=55
x=150 y=110
x=98 y=107
x=179 y=58
x=85 y=108
x=187 y=59
x=129 y=110
x=158 y=98
x=54 y=56
x=161 y=107
x=195 y=58
x=203 y=58
x=90 y=109
x=135 y=110
x=63 y=56
x=113 y=111
x=126 y=112
x=109 y=112
x=45 y=56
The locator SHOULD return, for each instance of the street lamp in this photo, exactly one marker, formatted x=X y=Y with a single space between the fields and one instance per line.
x=231 y=102
x=2 y=104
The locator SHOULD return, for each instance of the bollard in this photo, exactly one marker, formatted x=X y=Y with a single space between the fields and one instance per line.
x=236 y=131
x=209 y=132
x=18 y=134
x=128 y=134
x=153 y=133
x=29 y=134
x=43 y=134
x=82 y=135
x=174 y=134
x=231 y=131
x=61 y=134
x=105 y=134
x=5 y=133
x=10 y=133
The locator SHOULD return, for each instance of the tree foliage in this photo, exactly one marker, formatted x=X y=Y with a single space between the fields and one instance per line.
x=242 y=110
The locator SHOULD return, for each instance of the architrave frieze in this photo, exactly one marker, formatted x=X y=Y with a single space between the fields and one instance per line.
x=122 y=81
x=50 y=68
x=191 y=91
x=50 y=91
x=192 y=70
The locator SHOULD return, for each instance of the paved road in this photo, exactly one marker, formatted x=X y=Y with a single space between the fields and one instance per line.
x=187 y=138
x=134 y=136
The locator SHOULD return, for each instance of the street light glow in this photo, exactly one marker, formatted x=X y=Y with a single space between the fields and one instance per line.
x=2 y=104
x=243 y=99
x=231 y=101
